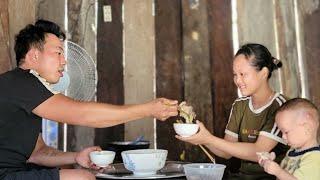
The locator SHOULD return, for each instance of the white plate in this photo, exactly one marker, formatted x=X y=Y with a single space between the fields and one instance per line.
x=172 y=169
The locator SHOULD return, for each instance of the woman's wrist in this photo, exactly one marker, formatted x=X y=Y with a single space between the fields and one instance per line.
x=209 y=140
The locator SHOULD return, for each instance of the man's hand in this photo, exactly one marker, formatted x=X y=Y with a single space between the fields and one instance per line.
x=83 y=158
x=163 y=108
x=200 y=138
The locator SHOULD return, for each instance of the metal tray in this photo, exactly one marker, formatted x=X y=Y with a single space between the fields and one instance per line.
x=172 y=169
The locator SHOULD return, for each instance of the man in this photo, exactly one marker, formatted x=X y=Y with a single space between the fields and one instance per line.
x=25 y=97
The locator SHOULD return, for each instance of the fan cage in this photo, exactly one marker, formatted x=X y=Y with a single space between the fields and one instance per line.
x=82 y=71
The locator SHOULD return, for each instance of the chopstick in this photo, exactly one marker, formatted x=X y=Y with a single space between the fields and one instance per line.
x=209 y=155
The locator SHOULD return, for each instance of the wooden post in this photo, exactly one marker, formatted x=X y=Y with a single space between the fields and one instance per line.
x=169 y=70
x=139 y=63
x=197 y=70
x=288 y=52
x=309 y=13
x=110 y=67
x=224 y=91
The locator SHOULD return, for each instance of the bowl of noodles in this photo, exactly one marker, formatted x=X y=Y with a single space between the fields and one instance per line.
x=186 y=128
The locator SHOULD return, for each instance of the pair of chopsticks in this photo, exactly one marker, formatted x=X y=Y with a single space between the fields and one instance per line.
x=207 y=153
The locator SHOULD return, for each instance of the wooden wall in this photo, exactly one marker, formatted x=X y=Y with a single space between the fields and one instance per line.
x=310 y=14
x=221 y=54
x=10 y=24
x=194 y=50
x=110 y=67
x=185 y=32
x=169 y=74
x=288 y=50
x=139 y=63
x=197 y=69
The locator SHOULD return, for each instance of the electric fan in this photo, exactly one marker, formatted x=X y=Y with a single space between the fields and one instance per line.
x=80 y=78
x=82 y=71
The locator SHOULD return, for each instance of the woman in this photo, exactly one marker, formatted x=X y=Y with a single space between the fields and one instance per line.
x=251 y=126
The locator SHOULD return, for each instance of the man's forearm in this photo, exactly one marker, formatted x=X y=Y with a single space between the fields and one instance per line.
x=51 y=157
x=90 y=113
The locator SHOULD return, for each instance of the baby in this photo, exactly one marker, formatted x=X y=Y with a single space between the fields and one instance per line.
x=298 y=120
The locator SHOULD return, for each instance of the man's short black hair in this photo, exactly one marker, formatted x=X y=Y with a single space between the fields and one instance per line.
x=34 y=36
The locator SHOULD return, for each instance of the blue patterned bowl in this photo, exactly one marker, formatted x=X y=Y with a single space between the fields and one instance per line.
x=144 y=162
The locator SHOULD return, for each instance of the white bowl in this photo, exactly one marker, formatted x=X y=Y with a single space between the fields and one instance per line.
x=102 y=158
x=204 y=171
x=185 y=130
x=144 y=162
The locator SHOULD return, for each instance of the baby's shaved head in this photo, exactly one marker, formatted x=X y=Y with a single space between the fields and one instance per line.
x=298 y=104
x=302 y=107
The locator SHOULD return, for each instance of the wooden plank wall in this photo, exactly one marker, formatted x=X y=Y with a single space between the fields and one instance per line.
x=52 y=11
x=110 y=70
x=21 y=13
x=169 y=69
x=221 y=54
x=310 y=15
x=288 y=51
x=139 y=63
x=256 y=25
x=183 y=80
x=196 y=63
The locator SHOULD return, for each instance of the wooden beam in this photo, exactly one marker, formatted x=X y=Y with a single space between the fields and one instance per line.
x=310 y=36
x=224 y=91
x=221 y=55
x=288 y=52
x=169 y=70
x=139 y=60
x=110 y=87
x=197 y=69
